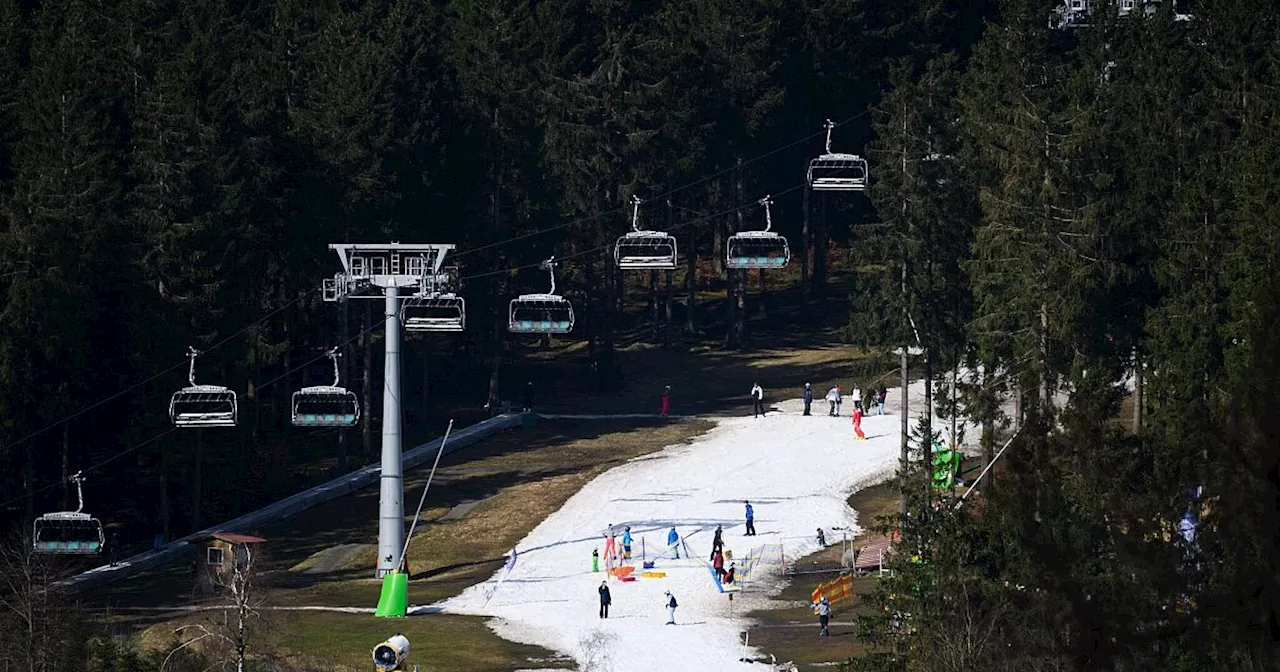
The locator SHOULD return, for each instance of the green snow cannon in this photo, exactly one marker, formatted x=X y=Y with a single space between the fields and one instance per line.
x=394 y=601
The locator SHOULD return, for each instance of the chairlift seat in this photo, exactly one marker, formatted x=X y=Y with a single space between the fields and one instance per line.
x=325 y=406
x=757 y=249
x=438 y=312
x=639 y=250
x=838 y=172
x=67 y=533
x=540 y=314
x=203 y=406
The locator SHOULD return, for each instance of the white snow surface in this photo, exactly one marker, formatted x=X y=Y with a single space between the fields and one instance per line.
x=796 y=471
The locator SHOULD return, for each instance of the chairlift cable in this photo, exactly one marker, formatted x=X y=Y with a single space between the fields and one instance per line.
x=186 y=361
x=610 y=246
x=119 y=454
x=664 y=195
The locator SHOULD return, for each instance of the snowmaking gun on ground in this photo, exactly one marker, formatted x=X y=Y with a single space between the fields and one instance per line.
x=390 y=655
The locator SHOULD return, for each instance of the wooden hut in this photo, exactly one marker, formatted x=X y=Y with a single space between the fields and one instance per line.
x=220 y=554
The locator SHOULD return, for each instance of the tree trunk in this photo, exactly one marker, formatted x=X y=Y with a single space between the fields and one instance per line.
x=164 y=492
x=820 y=251
x=806 y=250
x=66 y=465
x=760 y=299
x=609 y=377
x=1138 y=400
x=666 y=329
x=197 y=481
x=926 y=447
x=426 y=386
x=988 y=429
x=653 y=302
x=691 y=279
x=366 y=382
x=494 y=396
x=906 y=430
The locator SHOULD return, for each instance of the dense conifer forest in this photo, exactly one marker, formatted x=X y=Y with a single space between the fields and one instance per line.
x=1089 y=212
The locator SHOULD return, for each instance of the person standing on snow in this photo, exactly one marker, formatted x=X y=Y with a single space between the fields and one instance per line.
x=673 y=540
x=824 y=616
x=729 y=575
x=881 y=397
x=833 y=398
x=857 y=423
x=808 y=397
x=757 y=398
x=856 y=393
x=666 y=401
x=605 y=599
x=595 y=559
x=717 y=542
x=751 y=520
x=671 y=608
x=717 y=563
x=626 y=542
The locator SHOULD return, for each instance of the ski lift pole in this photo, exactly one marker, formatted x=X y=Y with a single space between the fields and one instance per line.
x=988 y=468
x=423 y=500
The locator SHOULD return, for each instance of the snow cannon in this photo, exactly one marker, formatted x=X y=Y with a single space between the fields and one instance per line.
x=389 y=656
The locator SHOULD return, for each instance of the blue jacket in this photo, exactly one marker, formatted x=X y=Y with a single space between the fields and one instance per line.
x=751 y=514
x=672 y=537
x=808 y=394
x=626 y=538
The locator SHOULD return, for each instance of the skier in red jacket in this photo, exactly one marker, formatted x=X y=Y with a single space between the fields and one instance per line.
x=857 y=423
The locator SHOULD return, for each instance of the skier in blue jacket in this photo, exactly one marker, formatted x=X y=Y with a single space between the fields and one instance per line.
x=673 y=540
x=626 y=543
x=751 y=520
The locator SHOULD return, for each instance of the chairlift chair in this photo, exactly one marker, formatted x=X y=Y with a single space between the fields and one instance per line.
x=326 y=405
x=547 y=313
x=641 y=250
x=834 y=171
x=429 y=311
x=68 y=532
x=758 y=249
x=202 y=405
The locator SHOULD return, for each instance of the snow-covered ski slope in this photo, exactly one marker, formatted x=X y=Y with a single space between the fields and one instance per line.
x=797 y=472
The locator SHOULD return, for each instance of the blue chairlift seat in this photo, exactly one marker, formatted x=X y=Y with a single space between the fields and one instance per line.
x=67 y=533
x=325 y=406
x=757 y=249
x=540 y=314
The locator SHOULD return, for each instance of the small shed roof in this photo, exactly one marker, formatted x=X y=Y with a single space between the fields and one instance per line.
x=234 y=538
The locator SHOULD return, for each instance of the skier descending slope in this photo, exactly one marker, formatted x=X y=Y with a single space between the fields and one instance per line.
x=857 y=423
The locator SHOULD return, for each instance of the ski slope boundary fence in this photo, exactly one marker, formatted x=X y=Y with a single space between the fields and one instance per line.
x=287 y=507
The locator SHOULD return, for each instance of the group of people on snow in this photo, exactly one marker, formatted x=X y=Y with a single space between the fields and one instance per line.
x=835 y=398
x=725 y=576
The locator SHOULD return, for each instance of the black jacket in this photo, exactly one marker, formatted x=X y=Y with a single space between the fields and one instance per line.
x=604 y=595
